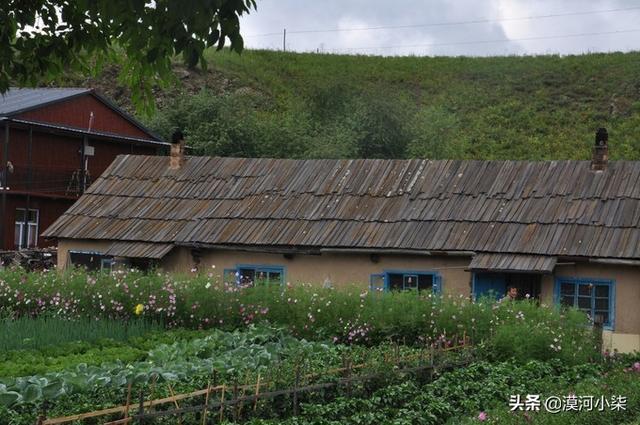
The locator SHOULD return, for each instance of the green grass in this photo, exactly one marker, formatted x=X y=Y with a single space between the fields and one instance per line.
x=42 y=331
x=319 y=105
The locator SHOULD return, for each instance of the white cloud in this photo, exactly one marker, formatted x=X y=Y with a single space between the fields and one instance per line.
x=273 y=16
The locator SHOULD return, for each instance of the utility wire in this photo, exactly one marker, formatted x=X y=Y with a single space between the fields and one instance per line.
x=501 y=40
x=452 y=23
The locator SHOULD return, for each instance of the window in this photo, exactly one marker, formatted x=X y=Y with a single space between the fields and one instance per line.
x=593 y=296
x=248 y=275
x=92 y=261
x=106 y=264
x=405 y=281
x=28 y=230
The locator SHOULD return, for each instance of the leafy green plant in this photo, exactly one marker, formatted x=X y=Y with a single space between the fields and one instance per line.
x=348 y=315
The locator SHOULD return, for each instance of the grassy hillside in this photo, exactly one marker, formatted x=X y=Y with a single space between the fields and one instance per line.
x=309 y=105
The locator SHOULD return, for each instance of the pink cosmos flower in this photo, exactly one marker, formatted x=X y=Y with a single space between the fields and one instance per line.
x=482 y=416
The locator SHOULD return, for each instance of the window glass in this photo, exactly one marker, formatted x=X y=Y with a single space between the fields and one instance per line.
x=584 y=303
x=425 y=282
x=410 y=281
x=396 y=281
x=593 y=299
x=567 y=289
x=250 y=276
x=584 y=289
x=246 y=276
x=602 y=291
x=567 y=300
x=88 y=260
x=602 y=303
x=26 y=236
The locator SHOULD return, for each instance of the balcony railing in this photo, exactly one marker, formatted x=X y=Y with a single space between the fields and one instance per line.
x=60 y=181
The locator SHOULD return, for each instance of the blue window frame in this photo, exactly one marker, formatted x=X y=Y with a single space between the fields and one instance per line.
x=406 y=280
x=593 y=296
x=253 y=275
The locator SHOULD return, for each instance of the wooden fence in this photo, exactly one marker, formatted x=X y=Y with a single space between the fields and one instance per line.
x=218 y=399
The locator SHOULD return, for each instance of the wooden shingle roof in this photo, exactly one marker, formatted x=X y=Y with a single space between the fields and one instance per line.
x=555 y=208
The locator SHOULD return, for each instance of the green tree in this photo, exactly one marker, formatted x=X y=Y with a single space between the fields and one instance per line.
x=214 y=125
x=39 y=39
x=435 y=134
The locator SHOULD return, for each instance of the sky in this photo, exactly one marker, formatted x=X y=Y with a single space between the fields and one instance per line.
x=445 y=28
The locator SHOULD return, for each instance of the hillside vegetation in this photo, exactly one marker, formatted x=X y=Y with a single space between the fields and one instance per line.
x=266 y=103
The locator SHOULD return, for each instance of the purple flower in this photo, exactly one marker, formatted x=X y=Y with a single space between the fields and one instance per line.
x=482 y=416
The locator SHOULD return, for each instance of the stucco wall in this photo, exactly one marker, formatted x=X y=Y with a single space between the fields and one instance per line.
x=65 y=245
x=345 y=269
x=627 y=290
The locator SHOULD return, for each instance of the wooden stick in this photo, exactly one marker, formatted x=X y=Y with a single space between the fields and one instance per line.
x=244 y=391
x=206 y=404
x=224 y=387
x=121 y=409
x=119 y=421
x=153 y=388
x=126 y=409
x=175 y=402
x=255 y=402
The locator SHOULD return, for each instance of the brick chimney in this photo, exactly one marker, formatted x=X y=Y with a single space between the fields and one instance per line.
x=177 y=150
x=600 y=154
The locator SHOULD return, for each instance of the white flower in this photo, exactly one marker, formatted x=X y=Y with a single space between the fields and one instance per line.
x=208 y=285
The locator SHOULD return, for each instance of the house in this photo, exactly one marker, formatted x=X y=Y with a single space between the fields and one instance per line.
x=53 y=143
x=564 y=231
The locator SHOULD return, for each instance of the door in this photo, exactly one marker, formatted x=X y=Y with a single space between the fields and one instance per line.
x=489 y=284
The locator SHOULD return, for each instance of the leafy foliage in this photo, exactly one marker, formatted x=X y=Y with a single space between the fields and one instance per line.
x=339 y=106
x=482 y=386
x=227 y=353
x=350 y=315
x=40 y=39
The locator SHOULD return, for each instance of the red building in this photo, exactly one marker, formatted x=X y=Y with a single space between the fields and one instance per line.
x=53 y=144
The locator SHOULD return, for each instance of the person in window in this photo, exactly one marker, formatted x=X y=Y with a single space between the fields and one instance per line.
x=512 y=294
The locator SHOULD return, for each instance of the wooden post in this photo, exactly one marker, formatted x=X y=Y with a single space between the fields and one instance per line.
x=141 y=408
x=3 y=186
x=597 y=331
x=255 y=401
x=126 y=405
x=25 y=235
x=175 y=402
x=206 y=404
x=431 y=362
x=295 y=392
x=224 y=388
x=236 y=403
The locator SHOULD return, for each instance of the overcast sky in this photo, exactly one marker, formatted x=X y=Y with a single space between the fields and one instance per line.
x=423 y=38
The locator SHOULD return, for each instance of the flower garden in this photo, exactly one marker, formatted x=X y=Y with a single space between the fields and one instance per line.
x=75 y=342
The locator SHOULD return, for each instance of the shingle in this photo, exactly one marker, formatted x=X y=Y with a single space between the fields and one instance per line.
x=517 y=207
